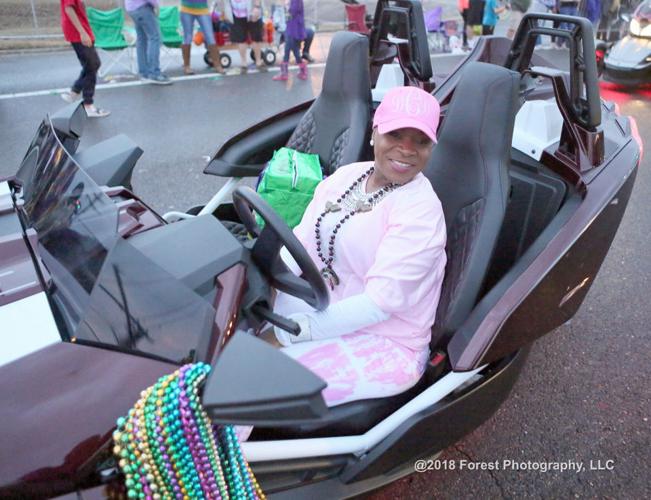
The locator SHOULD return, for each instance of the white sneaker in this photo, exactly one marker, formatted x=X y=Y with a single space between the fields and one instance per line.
x=93 y=111
x=70 y=96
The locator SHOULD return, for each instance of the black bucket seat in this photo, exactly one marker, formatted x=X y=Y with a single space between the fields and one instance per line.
x=469 y=172
x=337 y=123
x=335 y=126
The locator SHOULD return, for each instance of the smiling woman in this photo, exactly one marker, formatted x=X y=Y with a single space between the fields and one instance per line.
x=376 y=231
x=404 y=131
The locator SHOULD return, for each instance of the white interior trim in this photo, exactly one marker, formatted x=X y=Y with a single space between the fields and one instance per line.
x=27 y=326
x=263 y=451
x=220 y=197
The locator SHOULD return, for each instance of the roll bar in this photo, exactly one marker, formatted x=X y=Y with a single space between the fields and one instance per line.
x=584 y=90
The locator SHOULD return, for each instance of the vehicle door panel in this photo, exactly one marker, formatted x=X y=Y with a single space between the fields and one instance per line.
x=530 y=302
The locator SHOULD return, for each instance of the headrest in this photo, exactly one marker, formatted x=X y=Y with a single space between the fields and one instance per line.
x=477 y=130
x=346 y=72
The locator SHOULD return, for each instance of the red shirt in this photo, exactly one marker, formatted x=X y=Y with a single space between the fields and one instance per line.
x=69 y=31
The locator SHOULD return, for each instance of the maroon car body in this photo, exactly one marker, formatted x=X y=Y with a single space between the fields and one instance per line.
x=139 y=296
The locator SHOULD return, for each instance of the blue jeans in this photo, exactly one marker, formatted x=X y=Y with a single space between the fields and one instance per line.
x=566 y=10
x=292 y=45
x=205 y=23
x=148 y=41
x=90 y=63
x=307 y=43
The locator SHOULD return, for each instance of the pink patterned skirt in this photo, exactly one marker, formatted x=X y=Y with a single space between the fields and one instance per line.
x=360 y=366
x=357 y=366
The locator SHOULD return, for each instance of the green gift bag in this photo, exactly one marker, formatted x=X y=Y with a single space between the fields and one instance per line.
x=288 y=183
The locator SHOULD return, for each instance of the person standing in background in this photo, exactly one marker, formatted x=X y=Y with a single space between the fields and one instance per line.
x=279 y=17
x=464 y=6
x=475 y=18
x=543 y=7
x=77 y=31
x=148 y=39
x=192 y=10
x=246 y=18
x=294 y=34
x=307 y=43
x=518 y=8
x=491 y=15
x=566 y=8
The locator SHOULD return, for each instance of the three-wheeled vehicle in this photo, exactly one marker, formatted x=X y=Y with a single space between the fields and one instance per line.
x=100 y=295
x=628 y=61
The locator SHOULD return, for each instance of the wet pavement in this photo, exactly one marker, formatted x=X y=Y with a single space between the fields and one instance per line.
x=583 y=394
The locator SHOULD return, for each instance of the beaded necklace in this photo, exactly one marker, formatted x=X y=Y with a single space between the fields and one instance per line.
x=363 y=203
x=168 y=448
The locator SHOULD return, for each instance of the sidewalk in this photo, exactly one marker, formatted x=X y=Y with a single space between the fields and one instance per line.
x=326 y=15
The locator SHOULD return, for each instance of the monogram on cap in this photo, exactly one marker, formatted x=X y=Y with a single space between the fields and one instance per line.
x=408 y=107
x=410 y=103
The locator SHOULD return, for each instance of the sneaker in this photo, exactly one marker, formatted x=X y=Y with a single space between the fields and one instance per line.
x=70 y=96
x=243 y=70
x=262 y=68
x=159 y=79
x=308 y=58
x=93 y=111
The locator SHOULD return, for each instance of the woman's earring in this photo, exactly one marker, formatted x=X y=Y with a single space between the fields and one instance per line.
x=371 y=142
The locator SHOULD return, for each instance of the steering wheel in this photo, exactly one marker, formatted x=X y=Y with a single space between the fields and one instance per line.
x=310 y=287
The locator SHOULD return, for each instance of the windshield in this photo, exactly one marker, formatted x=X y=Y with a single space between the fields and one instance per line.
x=75 y=221
x=105 y=291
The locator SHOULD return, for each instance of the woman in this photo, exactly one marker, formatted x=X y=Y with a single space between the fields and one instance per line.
x=197 y=10
x=294 y=35
x=245 y=16
x=491 y=14
x=376 y=230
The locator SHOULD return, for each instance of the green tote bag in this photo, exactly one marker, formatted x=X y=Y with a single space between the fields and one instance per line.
x=288 y=183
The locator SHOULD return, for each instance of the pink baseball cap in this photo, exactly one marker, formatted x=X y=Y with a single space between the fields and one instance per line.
x=408 y=107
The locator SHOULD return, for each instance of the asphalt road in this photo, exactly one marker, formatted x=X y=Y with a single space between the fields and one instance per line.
x=584 y=393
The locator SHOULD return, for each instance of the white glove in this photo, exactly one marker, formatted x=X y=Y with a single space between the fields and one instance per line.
x=345 y=316
x=287 y=339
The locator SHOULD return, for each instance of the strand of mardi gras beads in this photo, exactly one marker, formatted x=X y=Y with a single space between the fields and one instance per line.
x=168 y=448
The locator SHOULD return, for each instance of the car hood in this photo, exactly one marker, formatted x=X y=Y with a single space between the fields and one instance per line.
x=630 y=52
x=18 y=277
x=23 y=304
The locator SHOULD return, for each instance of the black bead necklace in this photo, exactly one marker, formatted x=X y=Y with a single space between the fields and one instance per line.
x=362 y=206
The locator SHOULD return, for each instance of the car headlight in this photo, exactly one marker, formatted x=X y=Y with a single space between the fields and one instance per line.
x=637 y=30
x=634 y=27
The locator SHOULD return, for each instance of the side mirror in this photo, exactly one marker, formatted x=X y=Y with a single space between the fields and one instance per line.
x=254 y=383
x=68 y=123
x=110 y=162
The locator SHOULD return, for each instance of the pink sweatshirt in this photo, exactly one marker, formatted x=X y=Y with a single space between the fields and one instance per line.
x=394 y=253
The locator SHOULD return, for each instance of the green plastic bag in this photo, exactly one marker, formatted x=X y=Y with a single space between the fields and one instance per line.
x=288 y=183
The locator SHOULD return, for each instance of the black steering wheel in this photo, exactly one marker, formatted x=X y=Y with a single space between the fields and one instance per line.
x=310 y=287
